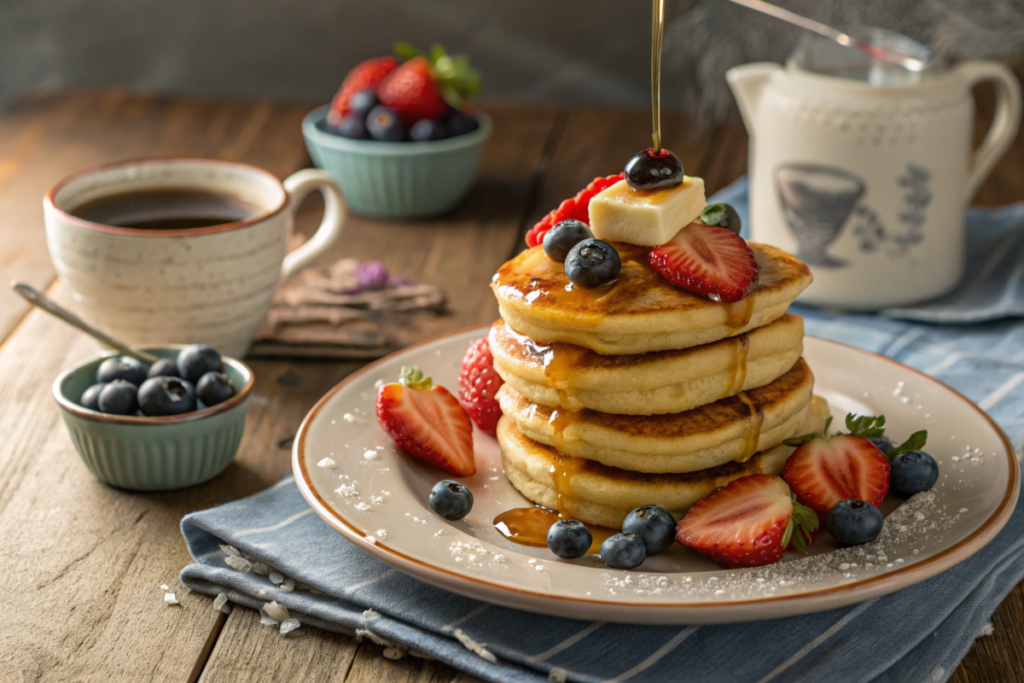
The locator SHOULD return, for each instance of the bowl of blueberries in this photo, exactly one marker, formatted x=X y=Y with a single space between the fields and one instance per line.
x=156 y=427
x=399 y=137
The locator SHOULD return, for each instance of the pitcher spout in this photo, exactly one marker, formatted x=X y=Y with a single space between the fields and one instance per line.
x=747 y=83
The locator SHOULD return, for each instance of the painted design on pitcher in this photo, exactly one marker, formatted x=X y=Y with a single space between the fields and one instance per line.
x=917 y=196
x=816 y=202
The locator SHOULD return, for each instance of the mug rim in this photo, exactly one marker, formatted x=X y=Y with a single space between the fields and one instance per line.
x=50 y=205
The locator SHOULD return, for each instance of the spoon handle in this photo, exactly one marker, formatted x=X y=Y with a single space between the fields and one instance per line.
x=37 y=298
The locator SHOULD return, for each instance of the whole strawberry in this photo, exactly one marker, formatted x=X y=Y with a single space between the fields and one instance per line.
x=576 y=208
x=749 y=522
x=427 y=422
x=427 y=86
x=365 y=76
x=478 y=383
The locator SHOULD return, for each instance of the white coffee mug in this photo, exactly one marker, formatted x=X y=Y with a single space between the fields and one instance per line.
x=868 y=183
x=210 y=285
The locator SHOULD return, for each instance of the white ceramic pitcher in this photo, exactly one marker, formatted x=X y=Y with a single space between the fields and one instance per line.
x=868 y=182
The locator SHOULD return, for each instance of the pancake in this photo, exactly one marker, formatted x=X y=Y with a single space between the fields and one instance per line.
x=597 y=494
x=732 y=429
x=561 y=375
x=642 y=311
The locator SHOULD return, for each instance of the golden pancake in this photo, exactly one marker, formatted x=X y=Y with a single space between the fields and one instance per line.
x=731 y=429
x=597 y=494
x=561 y=375
x=642 y=311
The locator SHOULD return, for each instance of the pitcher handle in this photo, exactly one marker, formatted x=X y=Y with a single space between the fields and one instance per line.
x=299 y=185
x=1005 y=123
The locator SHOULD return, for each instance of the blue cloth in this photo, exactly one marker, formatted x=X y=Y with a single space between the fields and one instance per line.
x=917 y=634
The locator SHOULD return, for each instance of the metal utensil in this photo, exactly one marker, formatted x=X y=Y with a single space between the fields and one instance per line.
x=37 y=298
x=889 y=46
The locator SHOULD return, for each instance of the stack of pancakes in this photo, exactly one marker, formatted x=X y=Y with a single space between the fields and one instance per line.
x=639 y=393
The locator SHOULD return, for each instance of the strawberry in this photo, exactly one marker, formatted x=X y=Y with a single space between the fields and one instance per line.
x=365 y=76
x=749 y=522
x=478 y=383
x=427 y=86
x=427 y=422
x=577 y=207
x=823 y=471
x=708 y=260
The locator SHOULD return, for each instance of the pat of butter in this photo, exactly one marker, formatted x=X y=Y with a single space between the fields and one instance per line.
x=646 y=217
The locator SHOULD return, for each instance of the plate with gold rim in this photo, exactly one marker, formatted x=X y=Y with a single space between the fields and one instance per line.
x=375 y=496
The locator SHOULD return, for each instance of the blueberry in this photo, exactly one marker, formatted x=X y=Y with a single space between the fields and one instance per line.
x=214 y=388
x=383 y=124
x=91 y=396
x=122 y=367
x=655 y=526
x=722 y=215
x=650 y=170
x=623 y=551
x=120 y=397
x=425 y=130
x=569 y=538
x=362 y=102
x=563 y=237
x=195 y=360
x=451 y=500
x=593 y=263
x=352 y=127
x=913 y=472
x=166 y=396
x=853 y=522
x=457 y=123
x=165 y=367
x=881 y=442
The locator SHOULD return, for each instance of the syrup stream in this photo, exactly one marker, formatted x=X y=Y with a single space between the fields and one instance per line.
x=753 y=434
x=657 y=32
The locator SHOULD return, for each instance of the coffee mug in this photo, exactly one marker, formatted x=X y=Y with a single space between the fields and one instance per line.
x=210 y=285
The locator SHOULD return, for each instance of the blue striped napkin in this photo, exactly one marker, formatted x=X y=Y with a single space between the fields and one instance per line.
x=917 y=634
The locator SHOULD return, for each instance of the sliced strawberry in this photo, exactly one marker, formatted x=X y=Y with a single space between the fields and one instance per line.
x=427 y=422
x=747 y=523
x=708 y=260
x=365 y=76
x=823 y=472
x=577 y=207
x=478 y=383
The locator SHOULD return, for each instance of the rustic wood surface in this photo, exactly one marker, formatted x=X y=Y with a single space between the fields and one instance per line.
x=80 y=597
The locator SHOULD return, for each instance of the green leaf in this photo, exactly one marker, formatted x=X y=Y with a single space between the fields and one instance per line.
x=406 y=51
x=712 y=214
x=412 y=377
x=787 y=535
x=797 y=440
x=916 y=442
x=436 y=54
x=802 y=524
x=865 y=425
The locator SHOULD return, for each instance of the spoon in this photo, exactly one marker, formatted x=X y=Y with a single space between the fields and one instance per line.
x=37 y=298
x=888 y=46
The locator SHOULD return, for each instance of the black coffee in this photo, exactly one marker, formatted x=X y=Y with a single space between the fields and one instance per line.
x=166 y=209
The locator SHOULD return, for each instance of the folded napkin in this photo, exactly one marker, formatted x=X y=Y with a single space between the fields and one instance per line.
x=994 y=285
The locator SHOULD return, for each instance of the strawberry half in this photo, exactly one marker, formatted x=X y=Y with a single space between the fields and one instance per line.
x=577 y=207
x=707 y=260
x=365 y=76
x=749 y=522
x=823 y=472
x=427 y=422
x=478 y=383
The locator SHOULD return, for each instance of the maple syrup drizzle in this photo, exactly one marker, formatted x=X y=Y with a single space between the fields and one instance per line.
x=738 y=313
x=657 y=32
x=753 y=435
x=529 y=526
x=559 y=362
x=738 y=364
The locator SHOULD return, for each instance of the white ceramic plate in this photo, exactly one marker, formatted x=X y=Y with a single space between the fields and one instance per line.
x=376 y=497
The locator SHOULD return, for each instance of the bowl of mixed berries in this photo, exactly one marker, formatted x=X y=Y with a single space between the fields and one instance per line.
x=158 y=426
x=400 y=137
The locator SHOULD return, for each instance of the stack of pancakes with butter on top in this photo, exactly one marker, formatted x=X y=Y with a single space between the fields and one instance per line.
x=641 y=393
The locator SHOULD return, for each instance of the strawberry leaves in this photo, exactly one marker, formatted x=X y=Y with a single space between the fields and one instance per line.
x=916 y=442
x=865 y=425
x=800 y=530
x=412 y=377
x=455 y=78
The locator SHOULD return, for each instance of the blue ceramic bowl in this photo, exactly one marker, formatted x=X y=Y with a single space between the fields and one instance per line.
x=154 y=453
x=396 y=179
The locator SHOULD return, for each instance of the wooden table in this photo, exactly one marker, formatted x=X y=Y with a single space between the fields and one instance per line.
x=82 y=562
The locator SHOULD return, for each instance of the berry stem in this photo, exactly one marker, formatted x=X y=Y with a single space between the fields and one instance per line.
x=657 y=32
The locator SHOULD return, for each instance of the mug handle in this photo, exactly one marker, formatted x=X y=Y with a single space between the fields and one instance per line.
x=1005 y=123
x=298 y=186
